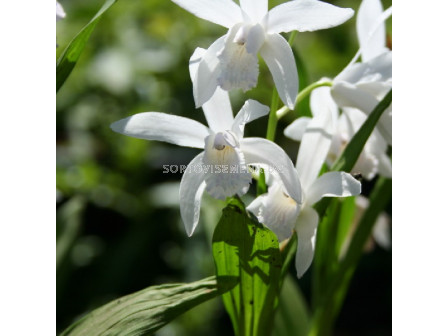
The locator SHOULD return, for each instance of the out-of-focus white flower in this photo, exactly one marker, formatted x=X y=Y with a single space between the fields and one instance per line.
x=357 y=90
x=60 y=14
x=278 y=211
x=231 y=61
x=221 y=169
x=373 y=159
x=364 y=85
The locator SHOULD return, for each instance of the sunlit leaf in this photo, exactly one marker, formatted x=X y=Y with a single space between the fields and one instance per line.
x=245 y=249
x=70 y=56
x=146 y=311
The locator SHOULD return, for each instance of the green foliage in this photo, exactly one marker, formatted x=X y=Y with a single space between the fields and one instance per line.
x=245 y=249
x=71 y=54
x=292 y=317
x=332 y=296
x=137 y=61
x=148 y=310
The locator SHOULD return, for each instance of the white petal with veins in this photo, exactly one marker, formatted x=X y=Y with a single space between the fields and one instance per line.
x=191 y=189
x=205 y=81
x=223 y=12
x=217 y=110
x=255 y=9
x=332 y=184
x=306 y=15
x=163 y=127
x=371 y=44
x=277 y=210
x=279 y=58
x=251 y=110
x=259 y=151
x=238 y=68
x=306 y=227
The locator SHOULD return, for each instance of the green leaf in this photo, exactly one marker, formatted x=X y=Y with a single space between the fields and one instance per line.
x=73 y=51
x=346 y=218
x=245 y=249
x=323 y=252
x=146 y=311
x=292 y=317
x=261 y=183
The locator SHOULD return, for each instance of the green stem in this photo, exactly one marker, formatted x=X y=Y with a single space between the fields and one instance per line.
x=302 y=94
x=272 y=122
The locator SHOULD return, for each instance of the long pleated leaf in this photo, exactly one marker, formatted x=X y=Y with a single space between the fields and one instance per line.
x=144 y=312
x=245 y=249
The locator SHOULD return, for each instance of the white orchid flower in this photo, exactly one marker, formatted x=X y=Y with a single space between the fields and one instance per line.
x=221 y=169
x=364 y=85
x=373 y=159
x=60 y=14
x=278 y=211
x=231 y=61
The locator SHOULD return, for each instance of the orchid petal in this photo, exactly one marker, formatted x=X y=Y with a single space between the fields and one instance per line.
x=378 y=69
x=373 y=45
x=205 y=81
x=255 y=9
x=60 y=14
x=322 y=102
x=385 y=166
x=306 y=227
x=191 y=189
x=223 y=12
x=163 y=127
x=349 y=95
x=262 y=151
x=333 y=184
x=297 y=128
x=276 y=210
x=217 y=110
x=306 y=15
x=255 y=39
x=381 y=231
x=315 y=145
x=250 y=111
x=238 y=69
x=279 y=58
x=366 y=165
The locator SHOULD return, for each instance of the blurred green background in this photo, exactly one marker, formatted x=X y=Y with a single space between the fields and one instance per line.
x=118 y=222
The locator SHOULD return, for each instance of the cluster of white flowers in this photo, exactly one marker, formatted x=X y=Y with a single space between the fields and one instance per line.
x=231 y=62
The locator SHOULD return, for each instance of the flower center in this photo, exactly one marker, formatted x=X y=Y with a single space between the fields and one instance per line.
x=238 y=59
x=225 y=170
